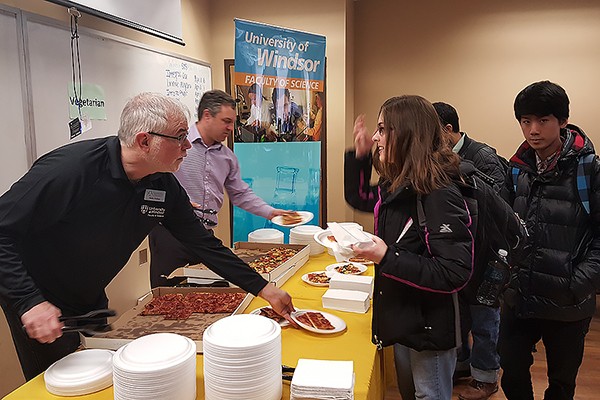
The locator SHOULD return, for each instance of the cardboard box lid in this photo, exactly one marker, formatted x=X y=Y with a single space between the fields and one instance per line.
x=249 y=251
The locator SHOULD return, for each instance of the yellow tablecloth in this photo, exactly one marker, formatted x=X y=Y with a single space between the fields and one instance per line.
x=352 y=344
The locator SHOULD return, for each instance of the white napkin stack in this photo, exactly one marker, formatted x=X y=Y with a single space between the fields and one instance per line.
x=346 y=300
x=346 y=236
x=352 y=282
x=323 y=379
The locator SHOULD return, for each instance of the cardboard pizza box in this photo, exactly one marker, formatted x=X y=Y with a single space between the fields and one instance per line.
x=130 y=325
x=250 y=251
x=284 y=271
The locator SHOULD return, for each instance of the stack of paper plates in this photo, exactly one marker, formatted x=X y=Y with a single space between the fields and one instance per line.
x=158 y=366
x=80 y=373
x=242 y=359
x=266 y=235
x=305 y=234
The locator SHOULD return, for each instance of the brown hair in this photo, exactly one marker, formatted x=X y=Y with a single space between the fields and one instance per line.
x=417 y=152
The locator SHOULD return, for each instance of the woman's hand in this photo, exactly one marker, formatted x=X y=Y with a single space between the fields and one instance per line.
x=375 y=253
x=363 y=140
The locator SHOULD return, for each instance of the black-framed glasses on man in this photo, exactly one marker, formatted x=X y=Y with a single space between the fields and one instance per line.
x=180 y=139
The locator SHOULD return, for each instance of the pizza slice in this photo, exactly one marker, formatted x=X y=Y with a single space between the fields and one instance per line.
x=360 y=260
x=318 y=277
x=291 y=218
x=270 y=313
x=315 y=320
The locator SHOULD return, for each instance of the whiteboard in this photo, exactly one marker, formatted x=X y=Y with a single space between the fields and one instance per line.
x=13 y=150
x=121 y=68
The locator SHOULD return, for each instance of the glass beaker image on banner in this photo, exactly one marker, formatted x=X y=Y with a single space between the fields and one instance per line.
x=285 y=175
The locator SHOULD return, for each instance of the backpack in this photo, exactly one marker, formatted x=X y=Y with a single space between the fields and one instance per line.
x=584 y=173
x=474 y=147
x=494 y=226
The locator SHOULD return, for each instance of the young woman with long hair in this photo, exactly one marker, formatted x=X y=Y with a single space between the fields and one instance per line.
x=421 y=263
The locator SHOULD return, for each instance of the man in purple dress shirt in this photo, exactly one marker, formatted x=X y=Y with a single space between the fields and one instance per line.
x=209 y=169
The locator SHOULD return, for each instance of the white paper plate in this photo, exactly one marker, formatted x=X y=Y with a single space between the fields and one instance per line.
x=337 y=322
x=242 y=331
x=323 y=239
x=307 y=216
x=305 y=278
x=282 y=323
x=80 y=373
x=334 y=268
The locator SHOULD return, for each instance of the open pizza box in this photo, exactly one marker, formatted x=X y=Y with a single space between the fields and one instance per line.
x=250 y=251
x=130 y=325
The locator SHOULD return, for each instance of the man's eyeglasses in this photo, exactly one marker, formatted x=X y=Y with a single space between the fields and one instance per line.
x=180 y=139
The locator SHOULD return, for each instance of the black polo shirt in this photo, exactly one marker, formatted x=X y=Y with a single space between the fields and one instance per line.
x=70 y=224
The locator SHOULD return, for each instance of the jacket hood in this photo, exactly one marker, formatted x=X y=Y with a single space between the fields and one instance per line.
x=575 y=143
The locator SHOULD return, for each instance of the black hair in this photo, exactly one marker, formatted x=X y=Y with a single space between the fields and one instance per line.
x=542 y=98
x=448 y=115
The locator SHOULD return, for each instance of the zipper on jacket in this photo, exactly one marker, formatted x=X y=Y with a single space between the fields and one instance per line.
x=378 y=343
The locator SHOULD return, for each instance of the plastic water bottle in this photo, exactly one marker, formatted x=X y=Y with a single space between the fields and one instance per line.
x=497 y=274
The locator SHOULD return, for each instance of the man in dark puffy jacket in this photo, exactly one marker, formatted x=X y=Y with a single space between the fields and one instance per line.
x=481 y=361
x=552 y=295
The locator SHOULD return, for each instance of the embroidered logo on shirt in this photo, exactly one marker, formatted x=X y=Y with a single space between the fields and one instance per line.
x=445 y=228
x=155 y=195
x=154 y=212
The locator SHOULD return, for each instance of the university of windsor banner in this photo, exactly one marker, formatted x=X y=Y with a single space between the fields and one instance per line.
x=279 y=84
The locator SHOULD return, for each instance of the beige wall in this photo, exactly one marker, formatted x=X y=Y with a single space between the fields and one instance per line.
x=478 y=56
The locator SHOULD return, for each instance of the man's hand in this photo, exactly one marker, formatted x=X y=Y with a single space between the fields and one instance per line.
x=374 y=253
x=280 y=301
x=276 y=212
x=41 y=323
x=363 y=141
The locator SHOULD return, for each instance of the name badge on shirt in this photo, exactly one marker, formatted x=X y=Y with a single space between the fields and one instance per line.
x=155 y=195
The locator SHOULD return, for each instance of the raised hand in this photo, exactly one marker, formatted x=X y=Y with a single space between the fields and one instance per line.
x=363 y=140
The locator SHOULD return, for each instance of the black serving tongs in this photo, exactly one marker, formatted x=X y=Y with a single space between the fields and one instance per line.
x=90 y=323
x=288 y=372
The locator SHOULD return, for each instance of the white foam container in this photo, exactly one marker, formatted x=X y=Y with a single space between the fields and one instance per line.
x=359 y=283
x=346 y=300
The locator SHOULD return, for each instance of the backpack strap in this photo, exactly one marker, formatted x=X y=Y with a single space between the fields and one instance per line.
x=584 y=173
x=472 y=149
x=584 y=169
x=422 y=220
x=514 y=172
